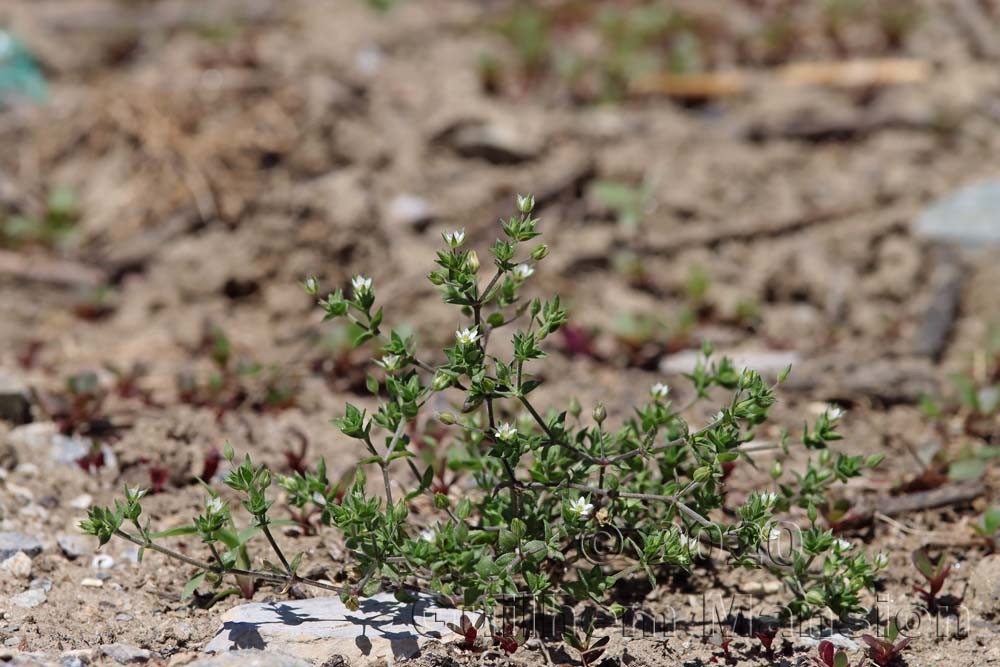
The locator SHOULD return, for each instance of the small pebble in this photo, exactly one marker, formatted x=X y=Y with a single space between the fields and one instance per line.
x=18 y=565
x=409 y=210
x=74 y=546
x=102 y=562
x=125 y=654
x=77 y=658
x=90 y=582
x=27 y=470
x=42 y=584
x=12 y=543
x=24 y=495
x=29 y=598
x=82 y=502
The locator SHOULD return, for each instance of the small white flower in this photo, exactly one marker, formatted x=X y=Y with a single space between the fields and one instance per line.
x=834 y=412
x=389 y=362
x=135 y=492
x=691 y=543
x=361 y=284
x=522 y=271
x=214 y=505
x=881 y=560
x=467 y=336
x=659 y=391
x=582 y=507
x=768 y=498
x=454 y=238
x=318 y=498
x=773 y=535
x=842 y=545
x=427 y=535
x=311 y=284
x=505 y=432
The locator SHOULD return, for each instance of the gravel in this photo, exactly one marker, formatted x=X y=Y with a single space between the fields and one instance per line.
x=12 y=543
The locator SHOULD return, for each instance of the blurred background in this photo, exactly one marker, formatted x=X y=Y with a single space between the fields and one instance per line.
x=815 y=183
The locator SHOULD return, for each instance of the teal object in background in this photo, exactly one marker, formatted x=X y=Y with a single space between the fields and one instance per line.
x=20 y=77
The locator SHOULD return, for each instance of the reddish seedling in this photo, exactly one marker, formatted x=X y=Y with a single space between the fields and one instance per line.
x=507 y=639
x=934 y=572
x=210 y=465
x=467 y=631
x=831 y=656
x=722 y=639
x=839 y=514
x=589 y=648
x=296 y=459
x=234 y=383
x=79 y=409
x=579 y=342
x=885 y=651
x=766 y=636
x=128 y=384
x=158 y=478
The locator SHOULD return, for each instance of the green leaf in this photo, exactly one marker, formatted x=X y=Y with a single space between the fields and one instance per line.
x=965 y=470
x=192 y=585
x=923 y=563
x=174 y=532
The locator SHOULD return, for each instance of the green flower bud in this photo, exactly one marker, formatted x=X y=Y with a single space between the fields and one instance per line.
x=472 y=261
x=600 y=414
x=777 y=468
x=574 y=407
x=441 y=501
x=540 y=252
x=525 y=203
x=228 y=452
x=874 y=460
x=441 y=382
x=702 y=474
x=311 y=285
x=446 y=418
x=436 y=278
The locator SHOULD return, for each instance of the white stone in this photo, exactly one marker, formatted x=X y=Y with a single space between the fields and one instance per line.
x=969 y=216
x=102 y=562
x=251 y=658
x=765 y=362
x=82 y=502
x=316 y=628
x=18 y=565
x=29 y=598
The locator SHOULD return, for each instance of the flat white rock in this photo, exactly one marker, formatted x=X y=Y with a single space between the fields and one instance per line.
x=765 y=362
x=969 y=216
x=317 y=628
